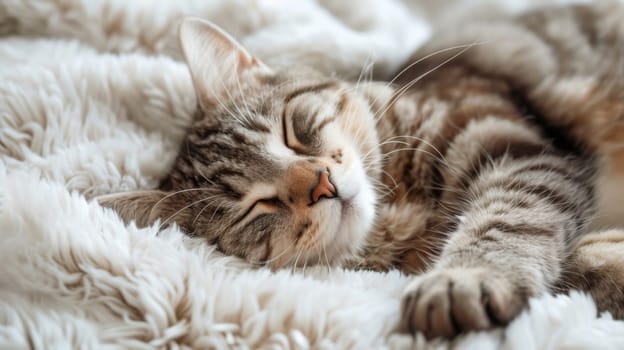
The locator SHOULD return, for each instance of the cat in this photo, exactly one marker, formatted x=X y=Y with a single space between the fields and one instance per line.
x=487 y=169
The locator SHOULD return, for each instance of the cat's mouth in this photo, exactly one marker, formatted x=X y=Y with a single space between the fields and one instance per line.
x=343 y=238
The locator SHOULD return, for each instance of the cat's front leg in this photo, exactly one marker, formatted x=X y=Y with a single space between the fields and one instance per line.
x=485 y=275
x=519 y=219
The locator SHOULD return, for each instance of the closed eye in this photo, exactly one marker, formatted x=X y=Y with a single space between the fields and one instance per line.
x=273 y=201
x=290 y=138
x=262 y=206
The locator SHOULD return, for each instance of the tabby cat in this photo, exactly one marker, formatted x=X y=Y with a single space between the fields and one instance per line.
x=490 y=165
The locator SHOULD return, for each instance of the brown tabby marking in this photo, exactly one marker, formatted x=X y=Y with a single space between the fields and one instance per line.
x=548 y=178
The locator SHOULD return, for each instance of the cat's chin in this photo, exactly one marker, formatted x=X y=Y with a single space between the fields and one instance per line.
x=357 y=213
x=346 y=206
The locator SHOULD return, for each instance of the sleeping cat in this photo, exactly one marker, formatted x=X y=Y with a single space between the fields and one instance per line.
x=487 y=165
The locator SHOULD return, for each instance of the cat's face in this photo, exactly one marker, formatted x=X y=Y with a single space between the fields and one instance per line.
x=278 y=167
x=291 y=170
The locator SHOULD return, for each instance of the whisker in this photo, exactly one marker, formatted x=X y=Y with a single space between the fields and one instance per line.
x=179 y=211
x=171 y=195
x=202 y=210
x=434 y=54
x=326 y=259
x=402 y=90
x=299 y=252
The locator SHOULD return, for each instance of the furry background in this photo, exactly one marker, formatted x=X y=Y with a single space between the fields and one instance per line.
x=94 y=100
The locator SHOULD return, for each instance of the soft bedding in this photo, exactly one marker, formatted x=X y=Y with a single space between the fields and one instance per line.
x=94 y=99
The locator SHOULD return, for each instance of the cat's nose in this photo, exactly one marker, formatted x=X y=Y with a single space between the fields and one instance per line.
x=307 y=182
x=323 y=187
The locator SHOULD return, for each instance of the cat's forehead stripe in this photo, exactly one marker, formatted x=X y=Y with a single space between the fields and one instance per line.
x=308 y=89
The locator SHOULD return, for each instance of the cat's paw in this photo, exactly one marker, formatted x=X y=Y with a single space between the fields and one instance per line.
x=446 y=302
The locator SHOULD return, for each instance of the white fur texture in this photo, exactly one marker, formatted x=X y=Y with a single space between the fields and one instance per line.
x=94 y=100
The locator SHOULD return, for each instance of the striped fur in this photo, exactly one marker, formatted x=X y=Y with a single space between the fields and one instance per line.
x=485 y=166
x=530 y=127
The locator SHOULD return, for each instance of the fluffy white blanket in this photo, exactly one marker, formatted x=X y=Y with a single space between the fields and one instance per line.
x=94 y=100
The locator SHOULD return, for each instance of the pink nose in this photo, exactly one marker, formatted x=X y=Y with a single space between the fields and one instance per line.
x=323 y=188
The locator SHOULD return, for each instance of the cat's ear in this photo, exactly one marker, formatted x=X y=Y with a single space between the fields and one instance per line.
x=143 y=207
x=216 y=61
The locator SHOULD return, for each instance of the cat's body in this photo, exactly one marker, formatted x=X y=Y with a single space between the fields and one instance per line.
x=486 y=167
x=484 y=102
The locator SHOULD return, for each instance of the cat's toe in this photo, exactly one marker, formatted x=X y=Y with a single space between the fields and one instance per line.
x=444 y=303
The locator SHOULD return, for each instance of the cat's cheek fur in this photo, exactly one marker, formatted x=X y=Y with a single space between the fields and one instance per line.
x=359 y=221
x=358 y=123
x=357 y=211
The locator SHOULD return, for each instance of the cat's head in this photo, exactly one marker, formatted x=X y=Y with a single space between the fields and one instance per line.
x=278 y=166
